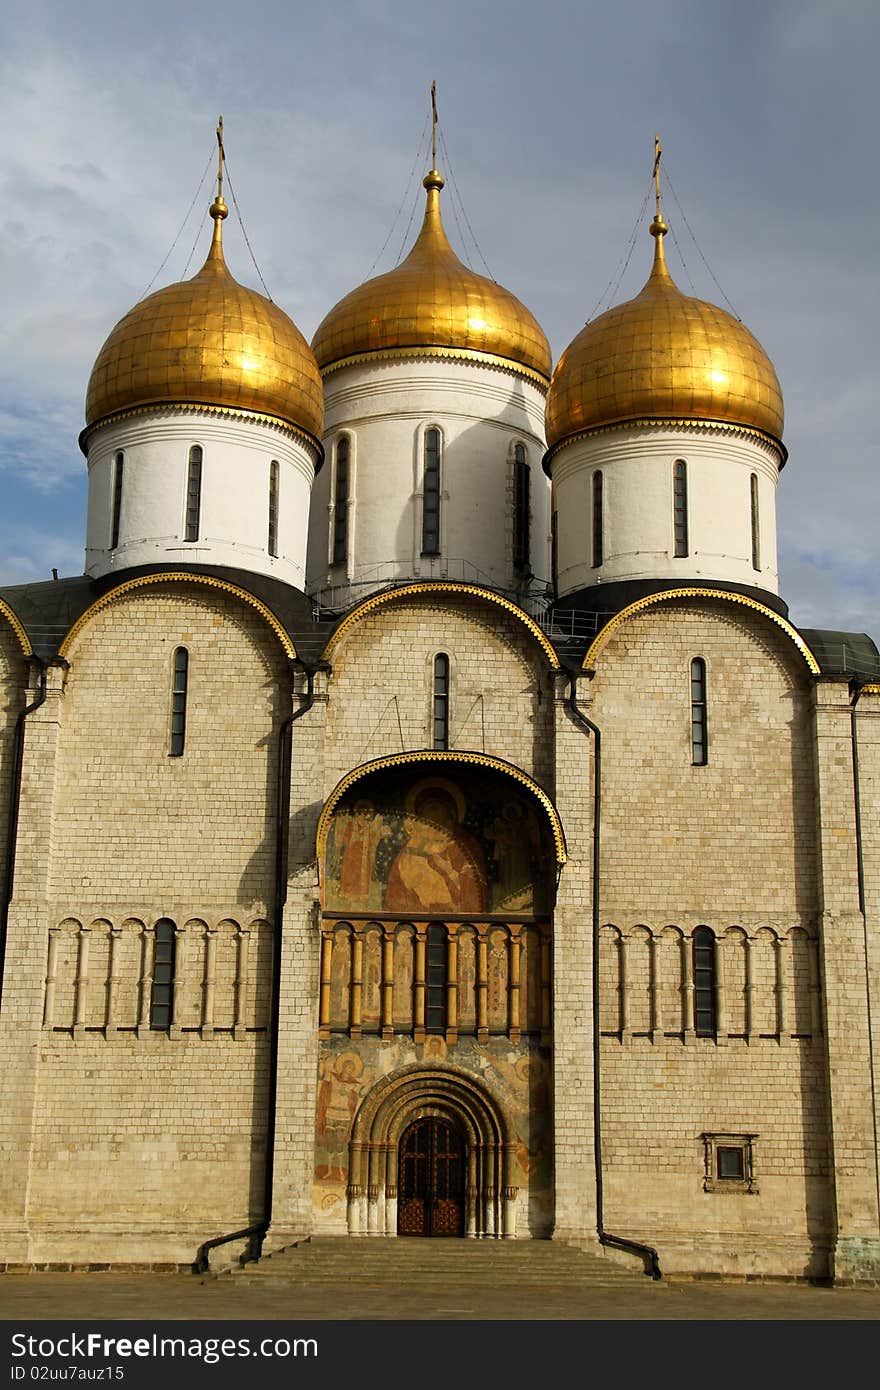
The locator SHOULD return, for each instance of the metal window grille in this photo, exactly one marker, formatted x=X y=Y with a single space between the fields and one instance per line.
x=340 y=509
x=699 y=714
x=161 y=998
x=521 y=509
x=435 y=980
x=273 y=507
x=756 y=528
x=431 y=495
x=178 y=701
x=680 y=507
x=441 y=701
x=118 y=470
x=193 y=494
x=598 y=522
x=704 y=983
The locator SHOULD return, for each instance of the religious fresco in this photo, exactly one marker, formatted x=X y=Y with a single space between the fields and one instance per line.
x=436 y=845
x=519 y=1078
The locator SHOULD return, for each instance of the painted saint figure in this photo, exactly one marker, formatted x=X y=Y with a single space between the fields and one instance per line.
x=440 y=868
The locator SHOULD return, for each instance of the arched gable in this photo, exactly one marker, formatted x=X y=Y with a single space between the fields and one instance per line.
x=438 y=588
x=723 y=596
x=23 y=640
x=427 y=758
x=185 y=577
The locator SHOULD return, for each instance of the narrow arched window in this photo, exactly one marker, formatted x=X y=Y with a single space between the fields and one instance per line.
x=704 y=983
x=435 y=979
x=441 y=701
x=756 y=527
x=193 y=494
x=340 y=507
x=273 y=507
x=118 y=469
x=179 y=680
x=554 y=549
x=598 y=521
x=680 y=507
x=162 y=996
x=431 y=494
x=521 y=509
x=699 y=721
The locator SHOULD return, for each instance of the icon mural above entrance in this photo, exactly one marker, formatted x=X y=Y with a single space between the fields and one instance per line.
x=435 y=845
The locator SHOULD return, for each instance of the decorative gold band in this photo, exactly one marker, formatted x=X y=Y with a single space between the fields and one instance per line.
x=200 y=408
x=177 y=576
x=725 y=595
x=438 y=756
x=678 y=423
x=438 y=587
x=23 y=640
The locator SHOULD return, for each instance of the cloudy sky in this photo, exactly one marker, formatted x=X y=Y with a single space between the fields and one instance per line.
x=767 y=114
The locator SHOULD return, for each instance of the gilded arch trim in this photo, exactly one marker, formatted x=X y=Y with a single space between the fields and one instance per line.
x=440 y=587
x=14 y=623
x=186 y=577
x=696 y=591
x=440 y=756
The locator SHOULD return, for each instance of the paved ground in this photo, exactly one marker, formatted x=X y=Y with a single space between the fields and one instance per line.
x=27 y=1298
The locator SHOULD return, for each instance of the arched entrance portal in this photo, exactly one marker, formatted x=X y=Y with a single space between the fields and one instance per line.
x=431 y=1154
x=431 y=1174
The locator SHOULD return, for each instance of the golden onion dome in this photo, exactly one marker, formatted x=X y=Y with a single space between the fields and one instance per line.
x=663 y=356
x=209 y=341
x=431 y=304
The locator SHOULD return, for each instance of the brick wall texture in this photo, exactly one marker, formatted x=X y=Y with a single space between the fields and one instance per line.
x=130 y=1143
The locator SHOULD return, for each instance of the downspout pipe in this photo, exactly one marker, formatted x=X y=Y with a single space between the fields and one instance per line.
x=860 y=873
x=256 y=1234
x=15 y=808
x=635 y=1247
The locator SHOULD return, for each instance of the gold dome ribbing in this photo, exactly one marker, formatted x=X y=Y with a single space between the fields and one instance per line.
x=209 y=341
x=663 y=355
x=432 y=301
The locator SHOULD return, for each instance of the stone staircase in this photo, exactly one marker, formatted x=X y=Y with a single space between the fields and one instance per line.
x=342 y=1261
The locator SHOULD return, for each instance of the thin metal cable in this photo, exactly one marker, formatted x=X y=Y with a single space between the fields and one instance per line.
x=408 y=225
x=243 y=232
x=448 y=159
x=620 y=269
x=416 y=163
x=697 y=244
x=192 y=253
x=684 y=263
x=180 y=232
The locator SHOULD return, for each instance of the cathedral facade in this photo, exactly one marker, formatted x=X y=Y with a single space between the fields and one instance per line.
x=422 y=818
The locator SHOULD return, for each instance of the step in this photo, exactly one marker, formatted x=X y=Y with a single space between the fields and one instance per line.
x=334 y=1260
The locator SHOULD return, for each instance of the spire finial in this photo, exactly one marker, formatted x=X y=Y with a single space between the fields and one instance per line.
x=218 y=208
x=433 y=125
x=658 y=228
x=433 y=179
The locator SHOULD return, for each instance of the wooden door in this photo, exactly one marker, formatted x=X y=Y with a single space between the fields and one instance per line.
x=431 y=1169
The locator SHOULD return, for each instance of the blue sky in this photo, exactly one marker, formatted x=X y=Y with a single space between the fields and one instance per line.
x=767 y=117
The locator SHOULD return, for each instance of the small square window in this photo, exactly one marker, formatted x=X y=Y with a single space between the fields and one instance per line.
x=729 y=1163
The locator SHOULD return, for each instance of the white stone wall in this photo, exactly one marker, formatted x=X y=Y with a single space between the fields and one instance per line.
x=144 y=1144
x=234 y=521
x=636 y=463
x=732 y=846
x=385 y=408
x=380 y=692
